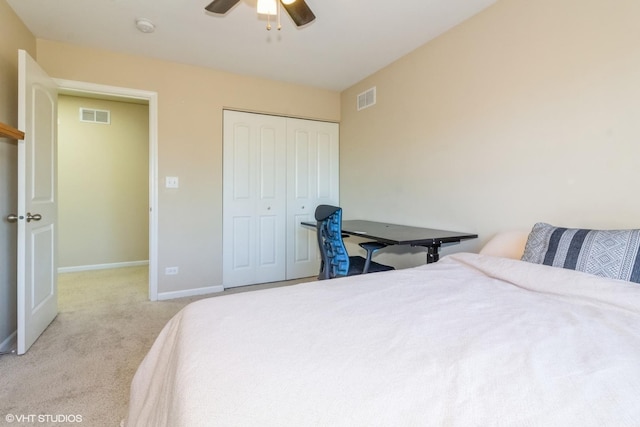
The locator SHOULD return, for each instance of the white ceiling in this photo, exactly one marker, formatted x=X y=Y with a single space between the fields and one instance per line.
x=348 y=41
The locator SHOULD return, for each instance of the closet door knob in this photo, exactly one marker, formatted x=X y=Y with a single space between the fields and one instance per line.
x=35 y=217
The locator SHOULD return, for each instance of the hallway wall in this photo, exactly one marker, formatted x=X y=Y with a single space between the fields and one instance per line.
x=103 y=184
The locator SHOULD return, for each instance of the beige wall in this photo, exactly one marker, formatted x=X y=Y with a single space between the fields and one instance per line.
x=103 y=183
x=20 y=38
x=526 y=112
x=190 y=102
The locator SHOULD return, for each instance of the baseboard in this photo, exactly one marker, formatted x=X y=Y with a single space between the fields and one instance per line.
x=102 y=266
x=189 y=292
x=9 y=343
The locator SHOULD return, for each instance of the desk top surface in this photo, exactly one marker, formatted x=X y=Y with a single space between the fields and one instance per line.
x=395 y=234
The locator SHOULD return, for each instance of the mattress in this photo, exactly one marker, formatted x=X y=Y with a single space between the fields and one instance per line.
x=472 y=340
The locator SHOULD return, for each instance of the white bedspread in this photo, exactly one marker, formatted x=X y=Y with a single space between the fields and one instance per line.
x=469 y=341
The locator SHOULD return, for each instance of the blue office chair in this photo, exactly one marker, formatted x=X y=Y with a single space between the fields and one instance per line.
x=336 y=261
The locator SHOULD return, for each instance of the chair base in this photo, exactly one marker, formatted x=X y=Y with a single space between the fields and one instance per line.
x=357 y=263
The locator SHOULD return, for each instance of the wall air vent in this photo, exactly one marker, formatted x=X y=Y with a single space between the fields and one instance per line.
x=367 y=98
x=91 y=115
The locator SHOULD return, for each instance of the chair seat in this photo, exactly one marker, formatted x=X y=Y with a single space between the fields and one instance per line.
x=356 y=266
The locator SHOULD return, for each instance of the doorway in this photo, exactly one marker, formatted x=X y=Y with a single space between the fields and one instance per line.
x=102 y=183
x=111 y=93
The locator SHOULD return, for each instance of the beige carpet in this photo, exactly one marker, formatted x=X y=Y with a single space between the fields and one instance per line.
x=85 y=360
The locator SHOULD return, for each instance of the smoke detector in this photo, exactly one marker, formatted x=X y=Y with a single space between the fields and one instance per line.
x=145 y=26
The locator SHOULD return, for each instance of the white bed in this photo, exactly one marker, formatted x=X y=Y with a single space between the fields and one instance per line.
x=473 y=340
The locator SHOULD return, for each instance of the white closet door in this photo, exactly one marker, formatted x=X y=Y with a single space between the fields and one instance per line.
x=312 y=179
x=254 y=198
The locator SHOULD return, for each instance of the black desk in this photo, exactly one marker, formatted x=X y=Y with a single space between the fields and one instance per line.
x=394 y=234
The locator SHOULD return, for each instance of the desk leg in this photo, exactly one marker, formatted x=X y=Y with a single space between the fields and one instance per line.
x=432 y=253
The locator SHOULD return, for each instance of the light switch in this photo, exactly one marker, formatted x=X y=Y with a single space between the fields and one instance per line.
x=171 y=182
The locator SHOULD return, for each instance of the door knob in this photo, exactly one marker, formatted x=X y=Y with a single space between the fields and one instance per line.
x=35 y=217
x=12 y=218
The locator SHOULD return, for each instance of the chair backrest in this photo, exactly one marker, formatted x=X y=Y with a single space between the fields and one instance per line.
x=335 y=258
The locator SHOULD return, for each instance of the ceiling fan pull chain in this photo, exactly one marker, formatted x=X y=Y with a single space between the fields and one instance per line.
x=279 y=26
x=268 y=22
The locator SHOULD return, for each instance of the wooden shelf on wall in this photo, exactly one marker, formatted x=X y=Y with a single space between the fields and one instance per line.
x=7 y=131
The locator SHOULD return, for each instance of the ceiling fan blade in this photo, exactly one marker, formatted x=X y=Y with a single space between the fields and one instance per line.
x=221 y=6
x=299 y=12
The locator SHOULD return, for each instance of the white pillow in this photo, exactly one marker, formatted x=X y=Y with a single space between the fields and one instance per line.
x=508 y=244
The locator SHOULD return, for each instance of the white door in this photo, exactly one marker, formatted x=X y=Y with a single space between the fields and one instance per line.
x=254 y=198
x=37 y=202
x=312 y=179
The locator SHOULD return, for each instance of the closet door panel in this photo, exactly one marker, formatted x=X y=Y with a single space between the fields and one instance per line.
x=241 y=162
x=254 y=199
x=268 y=165
x=268 y=241
x=323 y=171
x=241 y=243
x=312 y=180
x=239 y=225
x=301 y=165
x=272 y=200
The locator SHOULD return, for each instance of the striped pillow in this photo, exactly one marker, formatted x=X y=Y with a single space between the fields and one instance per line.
x=608 y=253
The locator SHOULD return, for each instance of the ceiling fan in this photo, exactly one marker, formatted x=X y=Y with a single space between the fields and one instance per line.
x=297 y=9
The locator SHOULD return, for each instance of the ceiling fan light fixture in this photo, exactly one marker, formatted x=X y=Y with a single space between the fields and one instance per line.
x=298 y=10
x=267 y=7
